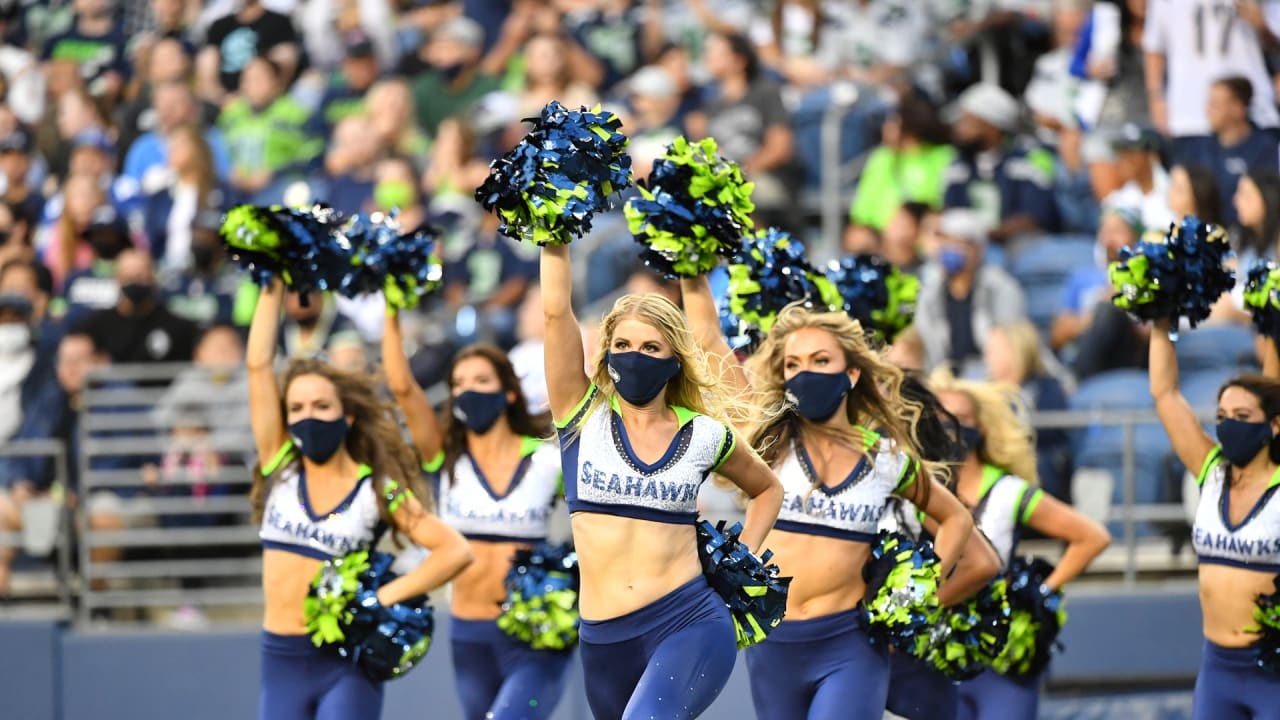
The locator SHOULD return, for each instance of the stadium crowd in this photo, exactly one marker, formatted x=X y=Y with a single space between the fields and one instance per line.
x=1003 y=150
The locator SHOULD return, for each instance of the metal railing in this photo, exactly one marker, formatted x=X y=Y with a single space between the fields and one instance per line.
x=56 y=452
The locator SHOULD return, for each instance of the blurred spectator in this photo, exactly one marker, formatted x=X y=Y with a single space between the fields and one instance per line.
x=1193 y=191
x=675 y=60
x=15 y=168
x=484 y=286
x=1013 y=356
x=325 y=23
x=909 y=165
x=19 y=294
x=455 y=169
x=143 y=113
x=654 y=120
x=252 y=32
x=1188 y=47
x=960 y=303
x=750 y=125
x=618 y=36
x=1009 y=183
x=166 y=20
x=15 y=241
x=345 y=96
x=24 y=79
x=548 y=76
x=314 y=326
x=148 y=162
x=907 y=350
x=266 y=132
x=207 y=393
x=455 y=73
x=1145 y=180
x=193 y=189
x=1237 y=145
x=94 y=287
x=870 y=42
x=65 y=250
x=76 y=115
x=140 y=329
x=390 y=109
x=527 y=355
x=1013 y=31
x=349 y=166
x=900 y=242
x=96 y=45
x=644 y=281
x=210 y=291
x=1089 y=287
x=396 y=188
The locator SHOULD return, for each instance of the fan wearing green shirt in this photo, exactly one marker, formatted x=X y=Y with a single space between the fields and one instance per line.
x=908 y=166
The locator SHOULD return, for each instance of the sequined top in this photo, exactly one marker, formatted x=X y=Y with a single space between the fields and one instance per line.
x=1253 y=544
x=603 y=475
x=291 y=524
x=850 y=510
x=469 y=504
x=1001 y=509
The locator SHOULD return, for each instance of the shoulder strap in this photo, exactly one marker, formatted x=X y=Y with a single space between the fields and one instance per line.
x=1023 y=502
x=990 y=476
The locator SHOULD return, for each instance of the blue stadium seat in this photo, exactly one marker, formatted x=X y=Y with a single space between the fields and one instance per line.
x=1042 y=269
x=1215 y=347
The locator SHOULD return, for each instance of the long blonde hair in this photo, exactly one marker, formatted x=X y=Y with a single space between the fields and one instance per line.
x=1008 y=440
x=875 y=403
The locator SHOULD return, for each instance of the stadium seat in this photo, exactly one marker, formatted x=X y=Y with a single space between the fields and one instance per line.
x=1215 y=347
x=1042 y=268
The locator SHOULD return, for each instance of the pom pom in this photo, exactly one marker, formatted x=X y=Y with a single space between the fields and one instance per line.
x=547 y=188
x=1179 y=277
x=1267 y=614
x=969 y=637
x=296 y=245
x=878 y=295
x=750 y=586
x=1262 y=297
x=901 y=598
x=541 y=608
x=692 y=210
x=1036 y=616
x=768 y=273
x=403 y=266
x=342 y=612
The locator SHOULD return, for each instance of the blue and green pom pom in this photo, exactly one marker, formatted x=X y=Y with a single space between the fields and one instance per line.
x=749 y=584
x=1262 y=297
x=405 y=267
x=296 y=245
x=901 y=599
x=541 y=608
x=342 y=612
x=877 y=294
x=1178 y=278
x=1266 y=613
x=768 y=273
x=1037 y=615
x=692 y=210
x=969 y=637
x=547 y=188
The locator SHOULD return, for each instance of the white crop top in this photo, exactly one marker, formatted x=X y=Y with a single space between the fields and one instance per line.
x=469 y=504
x=603 y=475
x=1254 y=544
x=1005 y=505
x=291 y=524
x=851 y=510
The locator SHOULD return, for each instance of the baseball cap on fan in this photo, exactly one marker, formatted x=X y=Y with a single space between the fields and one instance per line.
x=17 y=141
x=989 y=103
x=357 y=44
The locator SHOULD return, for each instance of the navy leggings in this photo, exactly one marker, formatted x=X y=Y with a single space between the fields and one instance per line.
x=992 y=696
x=501 y=678
x=303 y=682
x=820 y=669
x=669 y=659
x=1231 y=686
x=917 y=691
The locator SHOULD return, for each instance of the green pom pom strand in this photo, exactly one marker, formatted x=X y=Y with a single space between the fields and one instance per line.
x=1022 y=647
x=334 y=587
x=246 y=227
x=899 y=313
x=951 y=654
x=907 y=591
x=545 y=622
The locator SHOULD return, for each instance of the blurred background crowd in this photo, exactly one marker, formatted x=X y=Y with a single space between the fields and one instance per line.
x=1002 y=150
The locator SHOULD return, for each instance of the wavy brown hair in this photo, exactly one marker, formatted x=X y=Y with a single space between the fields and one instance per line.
x=374 y=438
x=518 y=417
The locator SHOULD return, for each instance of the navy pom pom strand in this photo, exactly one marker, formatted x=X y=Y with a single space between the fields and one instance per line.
x=1180 y=277
x=749 y=584
x=769 y=272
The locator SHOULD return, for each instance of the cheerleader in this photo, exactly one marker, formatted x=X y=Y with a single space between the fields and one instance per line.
x=1236 y=527
x=996 y=480
x=497 y=483
x=636 y=443
x=820 y=387
x=334 y=472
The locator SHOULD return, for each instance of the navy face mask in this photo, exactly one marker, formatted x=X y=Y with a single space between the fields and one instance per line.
x=970 y=437
x=1242 y=441
x=478 y=411
x=318 y=440
x=817 y=396
x=638 y=377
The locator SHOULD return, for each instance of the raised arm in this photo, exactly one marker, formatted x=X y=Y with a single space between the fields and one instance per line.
x=704 y=323
x=565 y=360
x=269 y=432
x=1190 y=441
x=450 y=553
x=745 y=469
x=1085 y=538
x=955 y=524
x=424 y=427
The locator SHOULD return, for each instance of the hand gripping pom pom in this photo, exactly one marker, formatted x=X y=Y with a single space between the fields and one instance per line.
x=342 y=612
x=876 y=294
x=296 y=245
x=405 y=267
x=749 y=585
x=901 y=598
x=1036 y=617
x=969 y=637
x=1267 y=614
x=692 y=210
x=1262 y=297
x=768 y=273
x=547 y=188
x=1179 y=277
x=541 y=608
